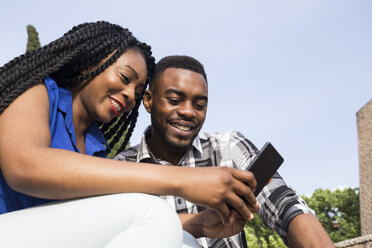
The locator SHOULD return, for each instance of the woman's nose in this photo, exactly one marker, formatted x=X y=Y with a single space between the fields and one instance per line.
x=129 y=95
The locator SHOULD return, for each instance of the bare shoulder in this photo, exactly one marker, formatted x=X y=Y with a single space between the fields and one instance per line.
x=33 y=99
x=26 y=118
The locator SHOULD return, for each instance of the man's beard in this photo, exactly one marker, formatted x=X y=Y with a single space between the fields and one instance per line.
x=157 y=127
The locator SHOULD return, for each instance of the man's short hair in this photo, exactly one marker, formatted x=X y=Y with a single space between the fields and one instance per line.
x=178 y=62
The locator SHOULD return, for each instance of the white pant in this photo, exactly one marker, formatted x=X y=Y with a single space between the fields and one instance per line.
x=120 y=220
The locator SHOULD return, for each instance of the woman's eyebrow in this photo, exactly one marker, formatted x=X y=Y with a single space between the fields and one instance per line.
x=134 y=71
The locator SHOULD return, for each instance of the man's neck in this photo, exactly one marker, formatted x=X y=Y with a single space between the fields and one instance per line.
x=162 y=151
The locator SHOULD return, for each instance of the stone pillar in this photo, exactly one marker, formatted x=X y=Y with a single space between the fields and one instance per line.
x=364 y=122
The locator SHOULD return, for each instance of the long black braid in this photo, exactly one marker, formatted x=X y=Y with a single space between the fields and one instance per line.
x=83 y=47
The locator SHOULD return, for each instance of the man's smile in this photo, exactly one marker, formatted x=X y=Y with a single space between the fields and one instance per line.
x=182 y=127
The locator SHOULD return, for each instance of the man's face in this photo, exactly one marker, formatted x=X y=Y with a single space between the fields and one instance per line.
x=177 y=103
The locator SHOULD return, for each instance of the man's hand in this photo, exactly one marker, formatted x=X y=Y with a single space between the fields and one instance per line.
x=222 y=189
x=214 y=228
x=208 y=224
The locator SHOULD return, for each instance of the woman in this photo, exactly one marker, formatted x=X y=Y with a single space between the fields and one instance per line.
x=58 y=105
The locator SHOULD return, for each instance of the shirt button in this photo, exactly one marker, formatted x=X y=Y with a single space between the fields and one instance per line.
x=179 y=201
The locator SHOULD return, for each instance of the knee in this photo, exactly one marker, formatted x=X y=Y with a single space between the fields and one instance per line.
x=149 y=221
x=157 y=208
x=160 y=218
x=150 y=208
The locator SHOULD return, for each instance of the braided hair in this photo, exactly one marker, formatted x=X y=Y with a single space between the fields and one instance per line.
x=84 y=46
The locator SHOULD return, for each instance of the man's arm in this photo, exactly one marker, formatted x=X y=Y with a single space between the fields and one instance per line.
x=281 y=208
x=306 y=231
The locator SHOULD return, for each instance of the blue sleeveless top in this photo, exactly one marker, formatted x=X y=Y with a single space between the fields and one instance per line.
x=62 y=137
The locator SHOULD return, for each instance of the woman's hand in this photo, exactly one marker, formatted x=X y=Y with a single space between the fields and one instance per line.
x=221 y=189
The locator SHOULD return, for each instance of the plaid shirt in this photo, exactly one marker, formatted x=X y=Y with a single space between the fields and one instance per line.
x=278 y=203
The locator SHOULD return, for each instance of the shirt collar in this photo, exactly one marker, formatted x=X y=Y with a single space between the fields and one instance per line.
x=197 y=144
x=145 y=153
x=65 y=106
x=94 y=138
x=143 y=150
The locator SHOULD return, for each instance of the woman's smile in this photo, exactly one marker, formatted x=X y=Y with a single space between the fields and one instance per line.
x=116 y=105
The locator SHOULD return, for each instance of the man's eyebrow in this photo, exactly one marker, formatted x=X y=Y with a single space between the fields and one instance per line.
x=134 y=71
x=201 y=97
x=180 y=93
x=174 y=91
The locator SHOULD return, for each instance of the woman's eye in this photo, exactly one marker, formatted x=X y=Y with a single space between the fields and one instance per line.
x=125 y=78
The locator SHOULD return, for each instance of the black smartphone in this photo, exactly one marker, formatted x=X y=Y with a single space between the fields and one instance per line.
x=264 y=165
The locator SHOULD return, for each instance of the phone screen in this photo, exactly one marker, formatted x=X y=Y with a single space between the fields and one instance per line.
x=264 y=165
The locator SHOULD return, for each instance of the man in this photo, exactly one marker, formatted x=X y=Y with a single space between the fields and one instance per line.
x=177 y=101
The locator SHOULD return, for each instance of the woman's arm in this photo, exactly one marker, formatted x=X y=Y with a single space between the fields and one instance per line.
x=30 y=166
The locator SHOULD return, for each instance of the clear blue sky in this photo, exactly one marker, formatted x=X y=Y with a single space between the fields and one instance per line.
x=291 y=72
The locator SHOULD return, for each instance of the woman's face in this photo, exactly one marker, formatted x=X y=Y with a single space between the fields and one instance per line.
x=115 y=90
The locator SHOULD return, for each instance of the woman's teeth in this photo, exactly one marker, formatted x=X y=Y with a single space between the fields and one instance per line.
x=115 y=104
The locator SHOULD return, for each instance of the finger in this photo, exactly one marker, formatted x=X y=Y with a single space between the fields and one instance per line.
x=270 y=180
x=239 y=205
x=234 y=215
x=237 y=222
x=223 y=212
x=246 y=194
x=246 y=177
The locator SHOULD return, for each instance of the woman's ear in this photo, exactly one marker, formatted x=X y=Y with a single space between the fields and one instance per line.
x=147 y=100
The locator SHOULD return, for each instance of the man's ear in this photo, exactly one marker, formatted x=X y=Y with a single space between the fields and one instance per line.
x=147 y=100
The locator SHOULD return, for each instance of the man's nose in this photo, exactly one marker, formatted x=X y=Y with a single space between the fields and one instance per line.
x=187 y=110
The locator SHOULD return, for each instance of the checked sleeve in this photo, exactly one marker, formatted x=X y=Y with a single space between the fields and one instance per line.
x=279 y=204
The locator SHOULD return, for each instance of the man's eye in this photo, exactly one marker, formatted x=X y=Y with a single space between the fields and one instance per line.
x=199 y=106
x=173 y=101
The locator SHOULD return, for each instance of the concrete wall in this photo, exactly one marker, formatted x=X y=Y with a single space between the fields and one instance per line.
x=359 y=242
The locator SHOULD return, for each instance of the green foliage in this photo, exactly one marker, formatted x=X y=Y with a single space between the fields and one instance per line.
x=338 y=211
x=259 y=236
x=33 y=38
x=119 y=143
